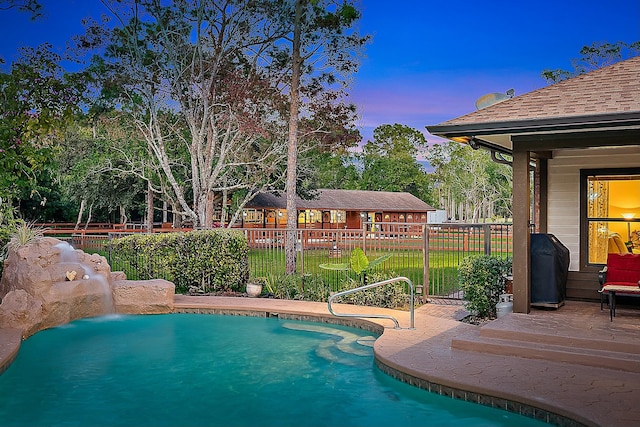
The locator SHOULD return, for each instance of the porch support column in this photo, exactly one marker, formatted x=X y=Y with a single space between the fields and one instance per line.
x=521 y=237
x=541 y=185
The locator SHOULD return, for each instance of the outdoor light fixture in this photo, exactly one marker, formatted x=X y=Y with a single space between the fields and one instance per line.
x=280 y=214
x=472 y=141
x=461 y=139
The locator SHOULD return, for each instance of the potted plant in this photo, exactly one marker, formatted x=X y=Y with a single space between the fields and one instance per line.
x=254 y=286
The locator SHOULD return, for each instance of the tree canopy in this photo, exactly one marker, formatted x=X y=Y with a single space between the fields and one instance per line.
x=207 y=84
x=469 y=184
x=390 y=161
x=196 y=103
x=597 y=55
x=38 y=100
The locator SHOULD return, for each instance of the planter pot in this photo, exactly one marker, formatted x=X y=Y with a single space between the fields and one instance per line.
x=254 y=290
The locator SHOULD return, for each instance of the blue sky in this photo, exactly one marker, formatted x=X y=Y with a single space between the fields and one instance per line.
x=429 y=60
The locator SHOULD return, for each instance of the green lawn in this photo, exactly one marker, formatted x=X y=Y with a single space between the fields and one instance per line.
x=443 y=266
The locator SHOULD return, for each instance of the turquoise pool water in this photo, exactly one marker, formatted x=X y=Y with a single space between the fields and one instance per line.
x=208 y=370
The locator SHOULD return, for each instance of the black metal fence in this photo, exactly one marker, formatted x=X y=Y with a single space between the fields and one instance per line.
x=424 y=253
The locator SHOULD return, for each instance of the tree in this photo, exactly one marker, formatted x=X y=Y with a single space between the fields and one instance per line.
x=469 y=183
x=32 y=7
x=38 y=100
x=322 y=51
x=331 y=170
x=189 y=74
x=596 y=56
x=390 y=161
x=93 y=169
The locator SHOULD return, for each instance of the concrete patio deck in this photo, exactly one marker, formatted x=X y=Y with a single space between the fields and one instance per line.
x=570 y=366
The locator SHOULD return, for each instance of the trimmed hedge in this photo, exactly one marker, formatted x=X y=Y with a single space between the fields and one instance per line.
x=202 y=260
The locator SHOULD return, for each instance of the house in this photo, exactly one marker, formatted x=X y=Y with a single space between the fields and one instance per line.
x=337 y=209
x=578 y=142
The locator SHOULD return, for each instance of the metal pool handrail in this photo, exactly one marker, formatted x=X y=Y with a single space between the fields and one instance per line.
x=377 y=316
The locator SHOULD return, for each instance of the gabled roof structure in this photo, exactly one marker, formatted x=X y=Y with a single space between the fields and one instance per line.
x=347 y=200
x=582 y=108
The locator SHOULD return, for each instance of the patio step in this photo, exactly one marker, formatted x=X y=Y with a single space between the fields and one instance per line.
x=555 y=353
x=561 y=335
x=570 y=350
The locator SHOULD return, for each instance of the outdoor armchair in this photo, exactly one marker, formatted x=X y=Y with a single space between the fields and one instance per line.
x=620 y=276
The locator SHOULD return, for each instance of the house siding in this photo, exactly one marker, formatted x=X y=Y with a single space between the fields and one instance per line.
x=564 y=204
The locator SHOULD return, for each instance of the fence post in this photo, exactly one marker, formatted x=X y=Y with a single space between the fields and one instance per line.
x=302 y=234
x=465 y=237
x=487 y=238
x=425 y=262
x=364 y=236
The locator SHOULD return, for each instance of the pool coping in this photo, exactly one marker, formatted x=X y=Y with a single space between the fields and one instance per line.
x=10 y=340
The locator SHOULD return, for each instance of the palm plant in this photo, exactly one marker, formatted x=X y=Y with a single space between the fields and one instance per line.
x=358 y=264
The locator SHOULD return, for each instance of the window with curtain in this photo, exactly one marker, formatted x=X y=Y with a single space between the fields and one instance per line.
x=611 y=201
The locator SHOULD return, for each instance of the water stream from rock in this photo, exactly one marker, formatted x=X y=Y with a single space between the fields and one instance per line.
x=69 y=255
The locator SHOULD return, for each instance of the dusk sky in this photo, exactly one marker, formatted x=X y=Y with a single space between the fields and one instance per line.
x=429 y=60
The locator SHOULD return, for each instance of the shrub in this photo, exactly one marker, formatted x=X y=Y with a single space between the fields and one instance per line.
x=15 y=234
x=393 y=295
x=9 y=226
x=204 y=260
x=310 y=287
x=482 y=282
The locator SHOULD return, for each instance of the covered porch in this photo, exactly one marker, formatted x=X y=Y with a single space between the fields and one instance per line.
x=564 y=141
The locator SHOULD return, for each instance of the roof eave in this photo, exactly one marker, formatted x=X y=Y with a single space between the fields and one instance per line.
x=544 y=124
x=548 y=126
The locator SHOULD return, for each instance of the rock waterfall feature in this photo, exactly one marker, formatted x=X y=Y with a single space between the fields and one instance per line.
x=48 y=283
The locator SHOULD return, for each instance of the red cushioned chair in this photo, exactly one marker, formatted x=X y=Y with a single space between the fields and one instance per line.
x=621 y=275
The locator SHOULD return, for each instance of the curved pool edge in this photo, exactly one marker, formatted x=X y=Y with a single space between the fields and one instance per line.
x=10 y=340
x=484 y=396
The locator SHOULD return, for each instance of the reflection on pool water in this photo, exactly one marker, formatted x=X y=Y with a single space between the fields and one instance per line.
x=208 y=370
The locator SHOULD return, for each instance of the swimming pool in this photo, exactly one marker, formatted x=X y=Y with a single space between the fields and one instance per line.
x=213 y=370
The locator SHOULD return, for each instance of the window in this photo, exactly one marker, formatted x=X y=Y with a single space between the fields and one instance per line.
x=252 y=216
x=611 y=206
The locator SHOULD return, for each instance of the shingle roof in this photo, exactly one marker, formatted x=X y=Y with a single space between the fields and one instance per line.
x=348 y=200
x=608 y=90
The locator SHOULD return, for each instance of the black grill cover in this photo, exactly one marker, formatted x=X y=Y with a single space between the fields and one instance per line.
x=549 y=270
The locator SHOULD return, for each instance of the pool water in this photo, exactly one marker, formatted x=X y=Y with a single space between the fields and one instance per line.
x=209 y=370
